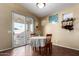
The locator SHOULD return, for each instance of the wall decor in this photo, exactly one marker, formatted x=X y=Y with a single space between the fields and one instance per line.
x=67 y=15
x=68 y=24
x=53 y=19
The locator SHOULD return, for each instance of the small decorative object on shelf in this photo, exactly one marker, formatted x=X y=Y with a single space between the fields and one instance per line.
x=38 y=31
x=68 y=24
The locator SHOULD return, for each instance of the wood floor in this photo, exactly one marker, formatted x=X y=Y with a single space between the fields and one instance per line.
x=28 y=51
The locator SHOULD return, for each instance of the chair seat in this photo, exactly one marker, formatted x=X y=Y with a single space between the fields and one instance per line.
x=48 y=44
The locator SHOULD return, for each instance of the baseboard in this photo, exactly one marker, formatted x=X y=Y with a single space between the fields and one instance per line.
x=66 y=47
x=5 y=49
x=11 y=48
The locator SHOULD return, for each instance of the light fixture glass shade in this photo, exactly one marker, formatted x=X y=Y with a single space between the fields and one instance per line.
x=40 y=5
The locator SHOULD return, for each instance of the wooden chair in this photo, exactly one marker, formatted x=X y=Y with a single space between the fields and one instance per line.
x=48 y=46
x=48 y=42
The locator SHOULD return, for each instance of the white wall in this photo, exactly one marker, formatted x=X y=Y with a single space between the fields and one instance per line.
x=61 y=36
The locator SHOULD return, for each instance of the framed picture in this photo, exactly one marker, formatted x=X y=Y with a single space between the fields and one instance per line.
x=67 y=15
x=53 y=19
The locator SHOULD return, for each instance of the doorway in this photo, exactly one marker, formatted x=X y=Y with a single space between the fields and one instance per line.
x=22 y=27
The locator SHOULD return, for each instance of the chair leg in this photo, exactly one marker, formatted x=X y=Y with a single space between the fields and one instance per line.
x=50 y=49
x=40 y=50
x=46 y=50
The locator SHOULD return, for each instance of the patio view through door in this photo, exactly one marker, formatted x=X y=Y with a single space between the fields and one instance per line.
x=22 y=27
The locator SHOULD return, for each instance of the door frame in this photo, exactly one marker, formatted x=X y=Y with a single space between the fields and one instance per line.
x=13 y=29
x=12 y=14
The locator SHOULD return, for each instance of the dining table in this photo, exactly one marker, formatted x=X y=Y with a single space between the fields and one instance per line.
x=38 y=41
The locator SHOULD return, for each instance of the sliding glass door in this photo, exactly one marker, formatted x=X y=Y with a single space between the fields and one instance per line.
x=22 y=28
x=18 y=30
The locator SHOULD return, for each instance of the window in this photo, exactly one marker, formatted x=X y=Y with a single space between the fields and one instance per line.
x=53 y=19
x=19 y=27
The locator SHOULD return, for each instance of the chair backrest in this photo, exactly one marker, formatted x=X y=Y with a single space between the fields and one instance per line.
x=48 y=37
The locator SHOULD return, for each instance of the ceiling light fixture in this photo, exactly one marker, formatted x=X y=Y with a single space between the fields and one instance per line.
x=40 y=5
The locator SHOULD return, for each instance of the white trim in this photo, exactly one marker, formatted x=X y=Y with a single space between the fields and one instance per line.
x=12 y=30
x=66 y=47
x=5 y=49
x=13 y=46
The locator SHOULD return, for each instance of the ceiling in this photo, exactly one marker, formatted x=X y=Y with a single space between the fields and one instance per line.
x=47 y=10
